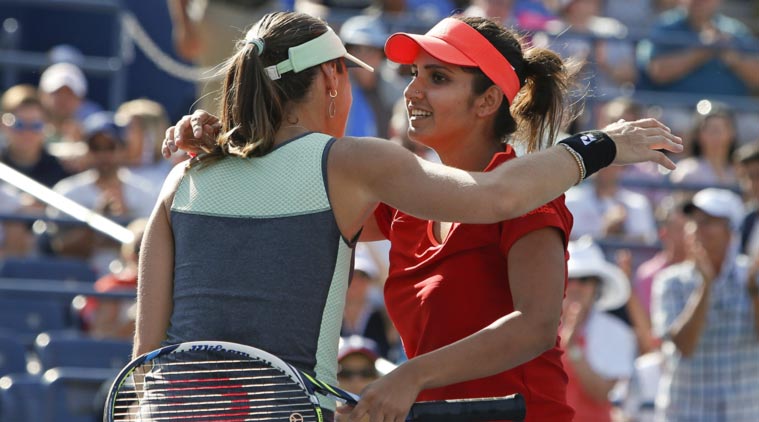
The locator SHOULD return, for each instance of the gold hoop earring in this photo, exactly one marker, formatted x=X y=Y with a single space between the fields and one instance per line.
x=332 y=107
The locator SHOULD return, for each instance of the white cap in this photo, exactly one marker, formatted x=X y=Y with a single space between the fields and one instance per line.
x=721 y=203
x=59 y=75
x=586 y=259
x=364 y=262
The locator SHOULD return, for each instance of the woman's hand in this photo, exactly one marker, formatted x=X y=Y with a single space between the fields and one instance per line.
x=640 y=141
x=389 y=398
x=193 y=133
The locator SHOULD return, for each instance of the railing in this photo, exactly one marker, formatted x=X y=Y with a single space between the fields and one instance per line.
x=13 y=60
x=59 y=289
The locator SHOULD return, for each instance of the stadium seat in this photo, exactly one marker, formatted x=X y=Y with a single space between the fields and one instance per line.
x=76 y=394
x=27 y=317
x=47 y=268
x=73 y=349
x=22 y=398
x=12 y=355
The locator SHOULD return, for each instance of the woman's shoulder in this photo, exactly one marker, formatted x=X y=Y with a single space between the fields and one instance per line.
x=172 y=182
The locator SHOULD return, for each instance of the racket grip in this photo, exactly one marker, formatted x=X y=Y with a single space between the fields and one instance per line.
x=511 y=408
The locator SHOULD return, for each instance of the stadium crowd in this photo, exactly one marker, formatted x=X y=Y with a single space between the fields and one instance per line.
x=661 y=315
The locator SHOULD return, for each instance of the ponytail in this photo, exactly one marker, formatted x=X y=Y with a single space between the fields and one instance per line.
x=253 y=106
x=542 y=106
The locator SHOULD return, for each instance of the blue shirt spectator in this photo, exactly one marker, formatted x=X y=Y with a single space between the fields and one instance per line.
x=691 y=52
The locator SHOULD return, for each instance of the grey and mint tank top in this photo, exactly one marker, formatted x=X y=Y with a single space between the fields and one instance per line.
x=259 y=257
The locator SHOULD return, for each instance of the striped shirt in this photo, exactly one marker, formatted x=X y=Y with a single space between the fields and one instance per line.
x=720 y=381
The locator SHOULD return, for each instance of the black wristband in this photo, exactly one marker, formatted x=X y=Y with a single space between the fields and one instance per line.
x=596 y=149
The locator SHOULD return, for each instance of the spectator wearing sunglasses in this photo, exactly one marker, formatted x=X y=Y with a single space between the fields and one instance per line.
x=24 y=122
x=23 y=128
x=356 y=358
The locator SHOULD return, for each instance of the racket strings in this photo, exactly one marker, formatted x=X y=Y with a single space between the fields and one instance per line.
x=217 y=390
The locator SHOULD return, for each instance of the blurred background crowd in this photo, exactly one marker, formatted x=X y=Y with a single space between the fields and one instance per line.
x=89 y=88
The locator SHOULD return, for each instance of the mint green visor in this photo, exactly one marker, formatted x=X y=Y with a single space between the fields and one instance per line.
x=323 y=48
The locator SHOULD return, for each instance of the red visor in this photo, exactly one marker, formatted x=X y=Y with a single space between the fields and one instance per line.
x=453 y=41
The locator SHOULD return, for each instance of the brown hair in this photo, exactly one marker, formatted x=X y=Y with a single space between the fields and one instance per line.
x=717 y=110
x=18 y=96
x=254 y=106
x=539 y=109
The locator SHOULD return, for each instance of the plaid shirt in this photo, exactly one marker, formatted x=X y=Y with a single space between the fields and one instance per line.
x=720 y=381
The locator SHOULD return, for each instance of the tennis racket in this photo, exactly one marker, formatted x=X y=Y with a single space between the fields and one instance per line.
x=228 y=382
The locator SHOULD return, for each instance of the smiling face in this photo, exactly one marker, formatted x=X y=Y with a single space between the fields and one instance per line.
x=440 y=102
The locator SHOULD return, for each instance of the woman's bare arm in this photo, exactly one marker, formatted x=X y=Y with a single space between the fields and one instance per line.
x=537 y=287
x=366 y=171
x=156 y=272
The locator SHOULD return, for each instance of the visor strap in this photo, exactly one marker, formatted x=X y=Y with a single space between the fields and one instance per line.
x=321 y=49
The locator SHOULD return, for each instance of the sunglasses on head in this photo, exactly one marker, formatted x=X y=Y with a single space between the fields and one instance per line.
x=357 y=373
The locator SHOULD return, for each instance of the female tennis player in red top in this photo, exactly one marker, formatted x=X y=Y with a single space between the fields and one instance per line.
x=477 y=306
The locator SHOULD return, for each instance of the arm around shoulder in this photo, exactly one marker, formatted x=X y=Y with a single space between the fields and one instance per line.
x=379 y=171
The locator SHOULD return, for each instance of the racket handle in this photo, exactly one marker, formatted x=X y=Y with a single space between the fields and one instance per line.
x=510 y=408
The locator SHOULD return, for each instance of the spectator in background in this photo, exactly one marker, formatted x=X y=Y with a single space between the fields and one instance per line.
x=636 y=15
x=145 y=123
x=67 y=53
x=602 y=208
x=713 y=141
x=331 y=10
x=599 y=348
x=114 y=318
x=671 y=224
x=15 y=238
x=205 y=32
x=533 y=15
x=24 y=123
x=501 y=11
x=746 y=160
x=696 y=49
x=365 y=313
x=418 y=15
x=627 y=109
x=356 y=358
x=592 y=39
x=108 y=188
x=706 y=310
x=664 y=5
x=374 y=93
x=63 y=89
